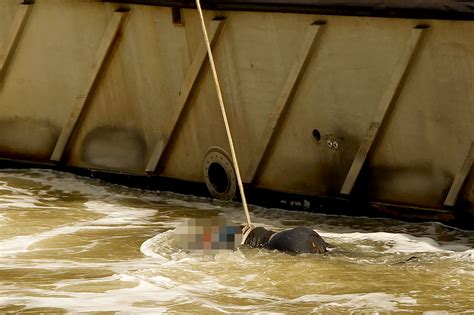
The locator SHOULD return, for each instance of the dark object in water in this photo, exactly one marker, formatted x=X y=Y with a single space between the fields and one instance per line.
x=297 y=240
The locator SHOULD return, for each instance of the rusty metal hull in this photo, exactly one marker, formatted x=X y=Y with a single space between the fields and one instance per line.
x=360 y=109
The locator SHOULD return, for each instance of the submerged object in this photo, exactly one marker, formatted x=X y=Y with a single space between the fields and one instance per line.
x=354 y=107
x=214 y=234
x=207 y=235
x=297 y=240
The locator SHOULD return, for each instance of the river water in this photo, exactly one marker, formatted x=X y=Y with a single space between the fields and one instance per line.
x=70 y=244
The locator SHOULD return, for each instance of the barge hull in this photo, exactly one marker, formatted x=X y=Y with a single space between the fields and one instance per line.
x=365 y=109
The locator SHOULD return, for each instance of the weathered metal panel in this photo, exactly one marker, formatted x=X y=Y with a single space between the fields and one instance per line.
x=182 y=101
x=46 y=73
x=460 y=179
x=338 y=96
x=384 y=109
x=9 y=9
x=131 y=104
x=333 y=101
x=432 y=124
x=277 y=117
x=11 y=39
x=105 y=52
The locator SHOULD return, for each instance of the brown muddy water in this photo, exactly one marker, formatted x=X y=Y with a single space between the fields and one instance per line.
x=70 y=244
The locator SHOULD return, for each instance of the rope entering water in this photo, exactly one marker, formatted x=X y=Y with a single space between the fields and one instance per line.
x=224 y=116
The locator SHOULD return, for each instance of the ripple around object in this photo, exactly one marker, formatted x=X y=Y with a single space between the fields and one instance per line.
x=81 y=245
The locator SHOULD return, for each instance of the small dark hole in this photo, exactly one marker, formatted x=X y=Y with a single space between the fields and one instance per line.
x=176 y=16
x=422 y=26
x=319 y=22
x=218 y=178
x=123 y=9
x=316 y=135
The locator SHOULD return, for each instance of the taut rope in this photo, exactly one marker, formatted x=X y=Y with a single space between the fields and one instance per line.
x=226 y=122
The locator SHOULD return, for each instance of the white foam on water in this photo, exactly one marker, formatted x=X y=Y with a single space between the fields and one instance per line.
x=65 y=182
x=202 y=291
x=467 y=255
x=170 y=291
x=3 y=218
x=122 y=301
x=171 y=263
x=120 y=216
x=12 y=197
x=20 y=244
x=399 y=242
x=363 y=301
x=194 y=202
x=158 y=246
x=4 y=187
x=155 y=282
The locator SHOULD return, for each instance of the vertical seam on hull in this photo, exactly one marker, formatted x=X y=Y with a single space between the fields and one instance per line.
x=105 y=52
x=460 y=178
x=7 y=50
x=387 y=102
x=191 y=79
x=283 y=104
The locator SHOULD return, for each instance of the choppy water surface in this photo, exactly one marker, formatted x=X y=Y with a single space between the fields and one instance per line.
x=70 y=244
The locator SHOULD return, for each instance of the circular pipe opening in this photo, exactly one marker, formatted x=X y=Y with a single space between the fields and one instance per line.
x=219 y=174
x=218 y=178
x=316 y=135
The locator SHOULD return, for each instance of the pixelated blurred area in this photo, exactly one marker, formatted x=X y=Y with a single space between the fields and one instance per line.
x=208 y=235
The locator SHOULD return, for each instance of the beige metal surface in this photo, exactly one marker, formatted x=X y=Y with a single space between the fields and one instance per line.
x=132 y=104
x=105 y=52
x=199 y=61
x=335 y=95
x=277 y=117
x=388 y=99
x=460 y=178
x=13 y=36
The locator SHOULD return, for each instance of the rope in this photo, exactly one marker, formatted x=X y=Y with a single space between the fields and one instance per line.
x=224 y=116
